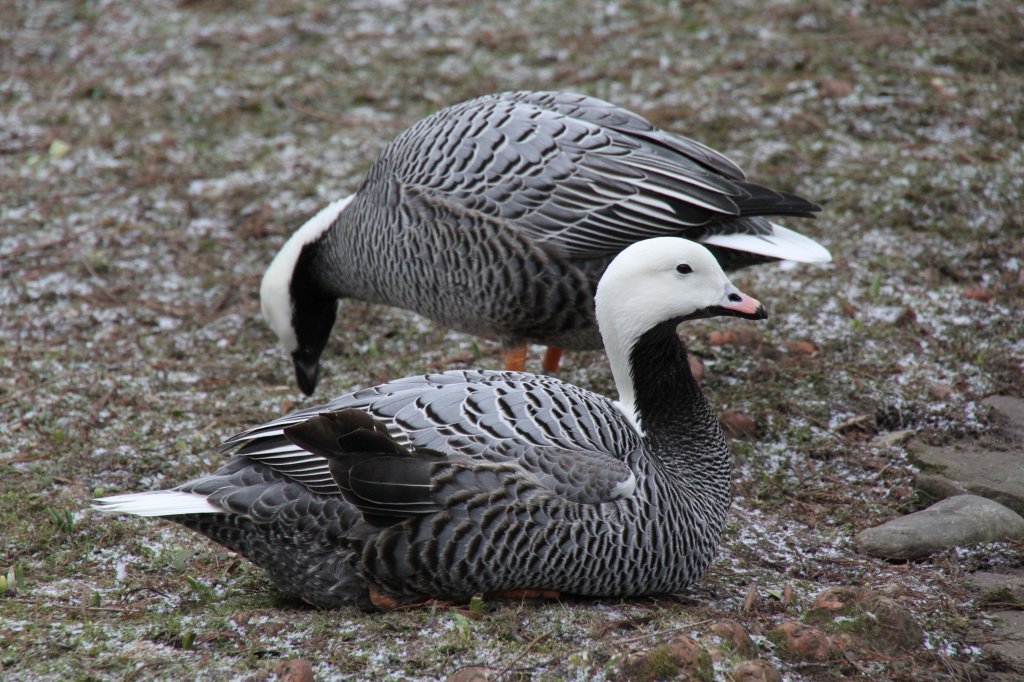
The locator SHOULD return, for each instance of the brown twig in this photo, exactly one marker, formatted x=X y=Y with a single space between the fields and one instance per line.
x=316 y=113
x=630 y=640
x=526 y=649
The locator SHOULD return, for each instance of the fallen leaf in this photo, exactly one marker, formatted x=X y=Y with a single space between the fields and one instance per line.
x=751 y=600
x=801 y=347
x=737 y=424
x=835 y=88
x=803 y=641
x=721 y=337
x=58 y=149
x=978 y=293
x=294 y=670
x=757 y=670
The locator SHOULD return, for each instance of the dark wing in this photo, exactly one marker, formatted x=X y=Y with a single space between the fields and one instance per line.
x=569 y=440
x=388 y=482
x=575 y=172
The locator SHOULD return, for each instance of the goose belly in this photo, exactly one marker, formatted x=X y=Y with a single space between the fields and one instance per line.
x=474 y=274
x=654 y=544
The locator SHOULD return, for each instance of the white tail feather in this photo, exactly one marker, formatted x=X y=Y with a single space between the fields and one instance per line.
x=782 y=243
x=156 y=503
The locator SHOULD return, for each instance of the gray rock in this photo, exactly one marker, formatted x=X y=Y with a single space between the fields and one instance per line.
x=1010 y=411
x=937 y=487
x=980 y=470
x=1006 y=587
x=959 y=521
x=1007 y=639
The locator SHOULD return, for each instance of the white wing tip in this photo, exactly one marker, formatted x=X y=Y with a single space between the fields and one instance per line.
x=156 y=503
x=783 y=243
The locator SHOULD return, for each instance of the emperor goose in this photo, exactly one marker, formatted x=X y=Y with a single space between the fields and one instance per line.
x=498 y=215
x=451 y=484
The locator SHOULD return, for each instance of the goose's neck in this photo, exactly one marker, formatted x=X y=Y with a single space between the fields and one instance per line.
x=658 y=389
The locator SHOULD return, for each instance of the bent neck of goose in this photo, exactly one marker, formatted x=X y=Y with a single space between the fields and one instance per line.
x=659 y=393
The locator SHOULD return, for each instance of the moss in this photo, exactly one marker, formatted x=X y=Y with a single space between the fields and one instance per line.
x=659 y=663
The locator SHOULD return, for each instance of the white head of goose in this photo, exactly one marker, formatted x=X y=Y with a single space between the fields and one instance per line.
x=497 y=217
x=452 y=484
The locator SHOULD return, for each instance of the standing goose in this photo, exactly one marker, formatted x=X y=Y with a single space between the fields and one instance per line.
x=498 y=215
x=446 y=485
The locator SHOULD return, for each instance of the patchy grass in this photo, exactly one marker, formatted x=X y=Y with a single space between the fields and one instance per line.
x=152 y=161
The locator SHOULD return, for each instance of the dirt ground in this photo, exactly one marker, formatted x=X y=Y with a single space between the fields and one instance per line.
x=154 y=156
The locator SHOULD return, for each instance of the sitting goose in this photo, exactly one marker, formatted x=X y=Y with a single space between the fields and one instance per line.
x=451 y=484
x=498 y=215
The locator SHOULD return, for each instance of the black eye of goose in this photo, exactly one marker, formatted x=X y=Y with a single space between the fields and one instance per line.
x=684 y=269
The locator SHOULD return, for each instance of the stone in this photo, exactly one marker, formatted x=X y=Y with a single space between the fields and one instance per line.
x=993 y=468
x=996 y=474
x=1006 y=639
x=1000 y=590
x=757 y=670
x=936 y=487
x=859 y=618
x=294 y=670
x=960 y=521
x=795 y=640
x=1010 y=411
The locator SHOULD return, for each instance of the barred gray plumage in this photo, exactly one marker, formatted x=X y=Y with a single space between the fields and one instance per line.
x=450 y=484
x=498 y=215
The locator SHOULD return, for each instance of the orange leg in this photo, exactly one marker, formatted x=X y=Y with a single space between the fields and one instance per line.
x=515 y=358
x=381 y=600
x=385 y=602
x=551 y=359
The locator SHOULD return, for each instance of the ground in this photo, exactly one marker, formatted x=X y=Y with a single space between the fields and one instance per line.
x=154 y=156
